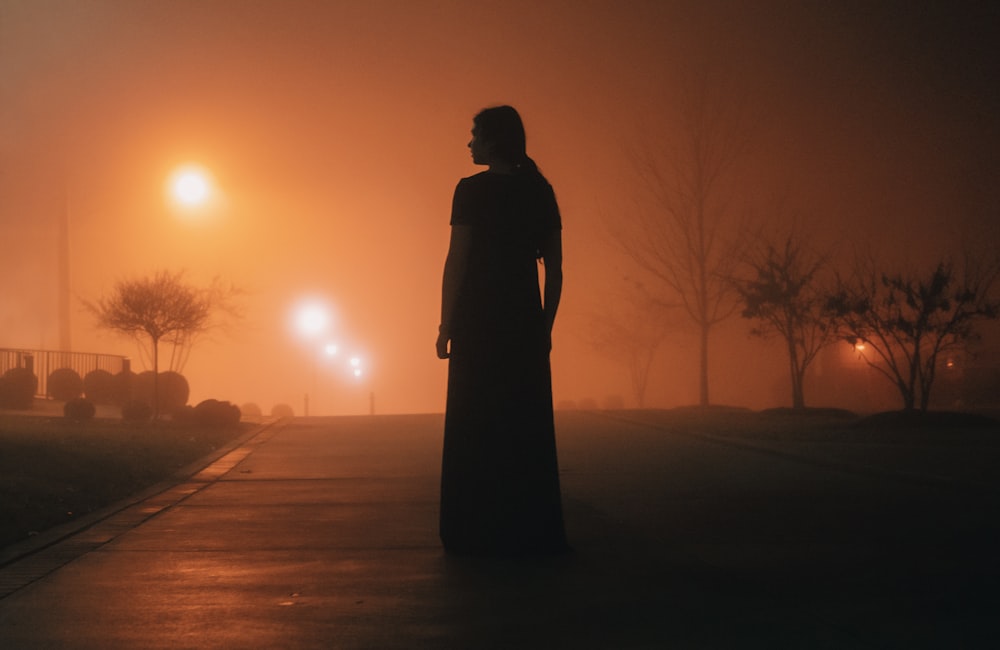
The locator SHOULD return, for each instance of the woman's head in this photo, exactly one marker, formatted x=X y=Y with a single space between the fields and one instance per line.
x=499 y=131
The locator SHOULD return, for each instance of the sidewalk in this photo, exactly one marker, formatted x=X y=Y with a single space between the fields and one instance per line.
x=322 y=533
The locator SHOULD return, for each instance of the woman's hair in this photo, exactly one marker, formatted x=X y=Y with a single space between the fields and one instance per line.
x=502 y=127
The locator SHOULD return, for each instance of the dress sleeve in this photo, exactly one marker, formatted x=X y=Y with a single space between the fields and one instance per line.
x=460 y=213
x=553 y=220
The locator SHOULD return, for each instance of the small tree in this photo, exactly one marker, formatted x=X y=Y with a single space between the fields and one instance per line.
x=907 y=322
x=689 y=234
x=783 y=296
x=632 y=335
x=161 y=307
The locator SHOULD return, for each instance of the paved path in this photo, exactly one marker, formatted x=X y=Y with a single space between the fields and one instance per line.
x=321 y=533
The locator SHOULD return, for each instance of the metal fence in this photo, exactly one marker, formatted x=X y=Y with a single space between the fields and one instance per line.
x=43 y=362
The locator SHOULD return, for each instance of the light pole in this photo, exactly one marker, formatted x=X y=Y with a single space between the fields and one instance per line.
x=311 y=320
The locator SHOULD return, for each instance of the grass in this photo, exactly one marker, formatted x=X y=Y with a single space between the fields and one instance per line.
x=53 y=471
x=832 y=425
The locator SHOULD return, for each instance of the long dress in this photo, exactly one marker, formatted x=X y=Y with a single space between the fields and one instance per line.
x=500 y=490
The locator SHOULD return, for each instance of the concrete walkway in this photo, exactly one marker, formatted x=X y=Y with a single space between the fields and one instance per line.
x=322 y=533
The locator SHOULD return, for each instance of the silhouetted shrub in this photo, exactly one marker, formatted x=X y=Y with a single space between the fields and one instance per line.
x=184 y=415
x=136 y=411
x=215 y=413
x=124 y=382
x=99 y=387
x=251 y=409
x=142 y=387
x=17 y=389
x=174 y=391
x=64 y=384
x=79 y=409
x=282 y=411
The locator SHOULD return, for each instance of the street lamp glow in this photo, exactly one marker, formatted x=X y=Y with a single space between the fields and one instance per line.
x=312 y=320
x=331 y=349
x=190 y=186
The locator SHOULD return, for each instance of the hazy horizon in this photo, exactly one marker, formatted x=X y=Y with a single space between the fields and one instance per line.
x=335 y=134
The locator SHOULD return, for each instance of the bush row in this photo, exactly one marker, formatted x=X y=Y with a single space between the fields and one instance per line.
x=133 y=392
x=210 y=412
x=101 y=387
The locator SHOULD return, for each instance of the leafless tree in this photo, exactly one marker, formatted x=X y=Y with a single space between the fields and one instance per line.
x=630 y=333
x=905 y=322
x=784 y=294
x=162 y=308
x=688 y=236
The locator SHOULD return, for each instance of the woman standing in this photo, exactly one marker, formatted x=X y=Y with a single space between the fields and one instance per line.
x=499 y=480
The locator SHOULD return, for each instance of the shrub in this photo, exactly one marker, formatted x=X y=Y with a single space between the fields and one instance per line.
x=136 y=411
x=212 y=412
x=174 y=391
x=124 y=382
x=142 y=387
x=99 y=387
x=64 y=384
x=184 y=415
x=17 y=389
x=282 y=411
x=79 y=409
x=251 y=409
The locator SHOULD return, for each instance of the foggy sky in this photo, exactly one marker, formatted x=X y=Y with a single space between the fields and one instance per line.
x=336 y=132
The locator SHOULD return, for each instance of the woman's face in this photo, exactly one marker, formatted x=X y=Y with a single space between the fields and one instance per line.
x=481 y=149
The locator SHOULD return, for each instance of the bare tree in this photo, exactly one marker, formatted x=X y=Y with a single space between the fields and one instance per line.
x=689 y=238
x=161 y=308
x=632 y=334
x=905 y=322
x=783 y=294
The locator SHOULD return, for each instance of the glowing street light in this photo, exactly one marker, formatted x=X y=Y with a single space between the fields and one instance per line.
x=312 y=319
x=190 y=186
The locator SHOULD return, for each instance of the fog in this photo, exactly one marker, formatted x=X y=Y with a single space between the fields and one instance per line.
x=335 y=133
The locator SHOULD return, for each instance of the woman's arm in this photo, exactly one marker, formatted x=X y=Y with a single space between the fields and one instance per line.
x=454 y=270
x=552 y=291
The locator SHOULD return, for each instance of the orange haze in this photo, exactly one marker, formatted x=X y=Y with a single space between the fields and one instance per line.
x=335 y=133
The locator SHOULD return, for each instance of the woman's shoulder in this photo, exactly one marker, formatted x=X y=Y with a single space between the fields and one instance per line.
x=476 y=185
x=476 y=179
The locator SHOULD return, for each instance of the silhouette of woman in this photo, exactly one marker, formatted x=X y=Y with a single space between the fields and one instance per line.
x=499 y=478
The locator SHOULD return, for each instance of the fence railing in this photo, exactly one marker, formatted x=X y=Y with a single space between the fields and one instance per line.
x=43 y=362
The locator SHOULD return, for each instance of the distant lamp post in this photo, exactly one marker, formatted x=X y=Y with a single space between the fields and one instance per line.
x=311 y=320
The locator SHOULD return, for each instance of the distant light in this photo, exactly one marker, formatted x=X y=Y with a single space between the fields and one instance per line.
x=859 y=346
x=312 y=318
x=190 y=185
x=331 y=349
x=355 y=362
x=357 y=372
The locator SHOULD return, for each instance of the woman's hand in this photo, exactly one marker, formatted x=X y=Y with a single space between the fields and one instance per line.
x=442 y=344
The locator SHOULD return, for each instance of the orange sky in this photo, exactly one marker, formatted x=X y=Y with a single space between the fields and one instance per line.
x=336 y=132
